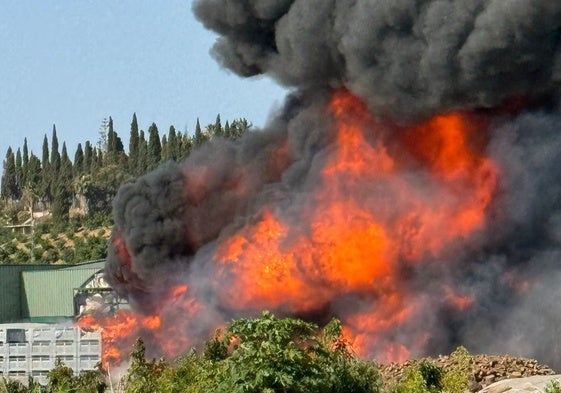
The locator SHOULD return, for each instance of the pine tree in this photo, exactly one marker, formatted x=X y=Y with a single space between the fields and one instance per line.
x=133 y=145
x=154 y=147
x=103 y=130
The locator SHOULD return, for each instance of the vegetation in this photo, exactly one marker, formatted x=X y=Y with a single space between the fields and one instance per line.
x=74 y=198
x=553 y=386
x=266 y=354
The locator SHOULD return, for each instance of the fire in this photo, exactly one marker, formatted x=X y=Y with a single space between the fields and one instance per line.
x=120 y=331
x=386 y=201
x=366 y=220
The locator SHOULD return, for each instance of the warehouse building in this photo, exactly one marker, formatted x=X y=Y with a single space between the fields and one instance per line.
x=38 y=306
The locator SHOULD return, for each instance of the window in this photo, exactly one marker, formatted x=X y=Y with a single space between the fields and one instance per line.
x=15 y=335
x=65 y=347
x=41 y=347
x=17 y=362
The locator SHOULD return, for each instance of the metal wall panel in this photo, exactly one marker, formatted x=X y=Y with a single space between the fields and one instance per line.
x=11 y=290
x=51 y=293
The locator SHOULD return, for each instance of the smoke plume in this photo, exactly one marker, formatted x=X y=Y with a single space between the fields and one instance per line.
x=410 y=186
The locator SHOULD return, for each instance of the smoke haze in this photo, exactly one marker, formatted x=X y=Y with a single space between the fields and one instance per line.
x=486 y=277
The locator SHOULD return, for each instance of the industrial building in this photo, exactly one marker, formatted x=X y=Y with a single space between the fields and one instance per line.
x=38 y=305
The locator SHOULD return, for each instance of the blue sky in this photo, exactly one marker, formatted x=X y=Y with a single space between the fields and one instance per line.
x=73 y=63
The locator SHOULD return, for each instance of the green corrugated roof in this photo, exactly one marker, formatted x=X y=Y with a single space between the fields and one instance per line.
x=12 y=306
x=50 y=293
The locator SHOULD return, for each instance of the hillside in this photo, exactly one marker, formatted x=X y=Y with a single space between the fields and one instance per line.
x=46 y=243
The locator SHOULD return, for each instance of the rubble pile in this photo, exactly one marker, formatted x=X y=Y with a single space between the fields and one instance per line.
x=482 y=370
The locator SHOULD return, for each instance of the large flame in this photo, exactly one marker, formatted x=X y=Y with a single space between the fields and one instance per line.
x=387 y=201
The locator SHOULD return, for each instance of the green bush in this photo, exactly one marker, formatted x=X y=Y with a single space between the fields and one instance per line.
x=553 y=386
x=456 y=379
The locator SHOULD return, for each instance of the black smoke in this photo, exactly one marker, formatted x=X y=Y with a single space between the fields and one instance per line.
x=407 y=60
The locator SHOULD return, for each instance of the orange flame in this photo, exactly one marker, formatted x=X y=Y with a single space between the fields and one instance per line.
x=350 y=240
x=119 y=332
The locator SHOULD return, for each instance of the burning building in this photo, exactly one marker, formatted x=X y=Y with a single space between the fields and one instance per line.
x=409 y=187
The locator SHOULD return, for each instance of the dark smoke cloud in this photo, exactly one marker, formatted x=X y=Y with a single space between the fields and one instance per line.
x=407 y=60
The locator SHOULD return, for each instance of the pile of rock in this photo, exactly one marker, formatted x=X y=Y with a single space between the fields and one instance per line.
x=482 y=370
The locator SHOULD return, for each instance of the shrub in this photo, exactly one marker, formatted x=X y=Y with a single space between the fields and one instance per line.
x=553 y=386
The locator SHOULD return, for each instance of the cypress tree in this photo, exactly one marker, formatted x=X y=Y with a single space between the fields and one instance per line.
x=186 y=145
x=88 y=157
x=111 y=152
x=45 y=188
x=133 y=145
x=142 y=162
x=154 y=147
x=165 y=149
x=45 y=158
x=79 y=160
x=218 y=131
x=227 y=130
x=19 y=170
x=198 y=138
x=55 y=155
x=25 y=163
x=10 y=190
x=62 y=195
x=34 y=174
x=173 y=147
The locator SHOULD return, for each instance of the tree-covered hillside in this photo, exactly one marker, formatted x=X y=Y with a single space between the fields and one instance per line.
x=57 y=207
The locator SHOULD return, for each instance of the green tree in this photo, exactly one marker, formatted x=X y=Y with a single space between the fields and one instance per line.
x=88 y=157
x=62 y=196
x=25 y=161
x=79 y=160
x=10 y=189
x=174 y=144
x=34 y=174
x=61 y=378
x=154 y=147
x=19 y=169
x=55 y=155
x=142 y=161
x=133 y=145
x=227 y=130
x=165 y=149
x=288 y=355
x=45 y=191
x=142 y=376
x=187 y=145
x=218 y=131
x=238 y=128
x=198 y=138
x=115 y=148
